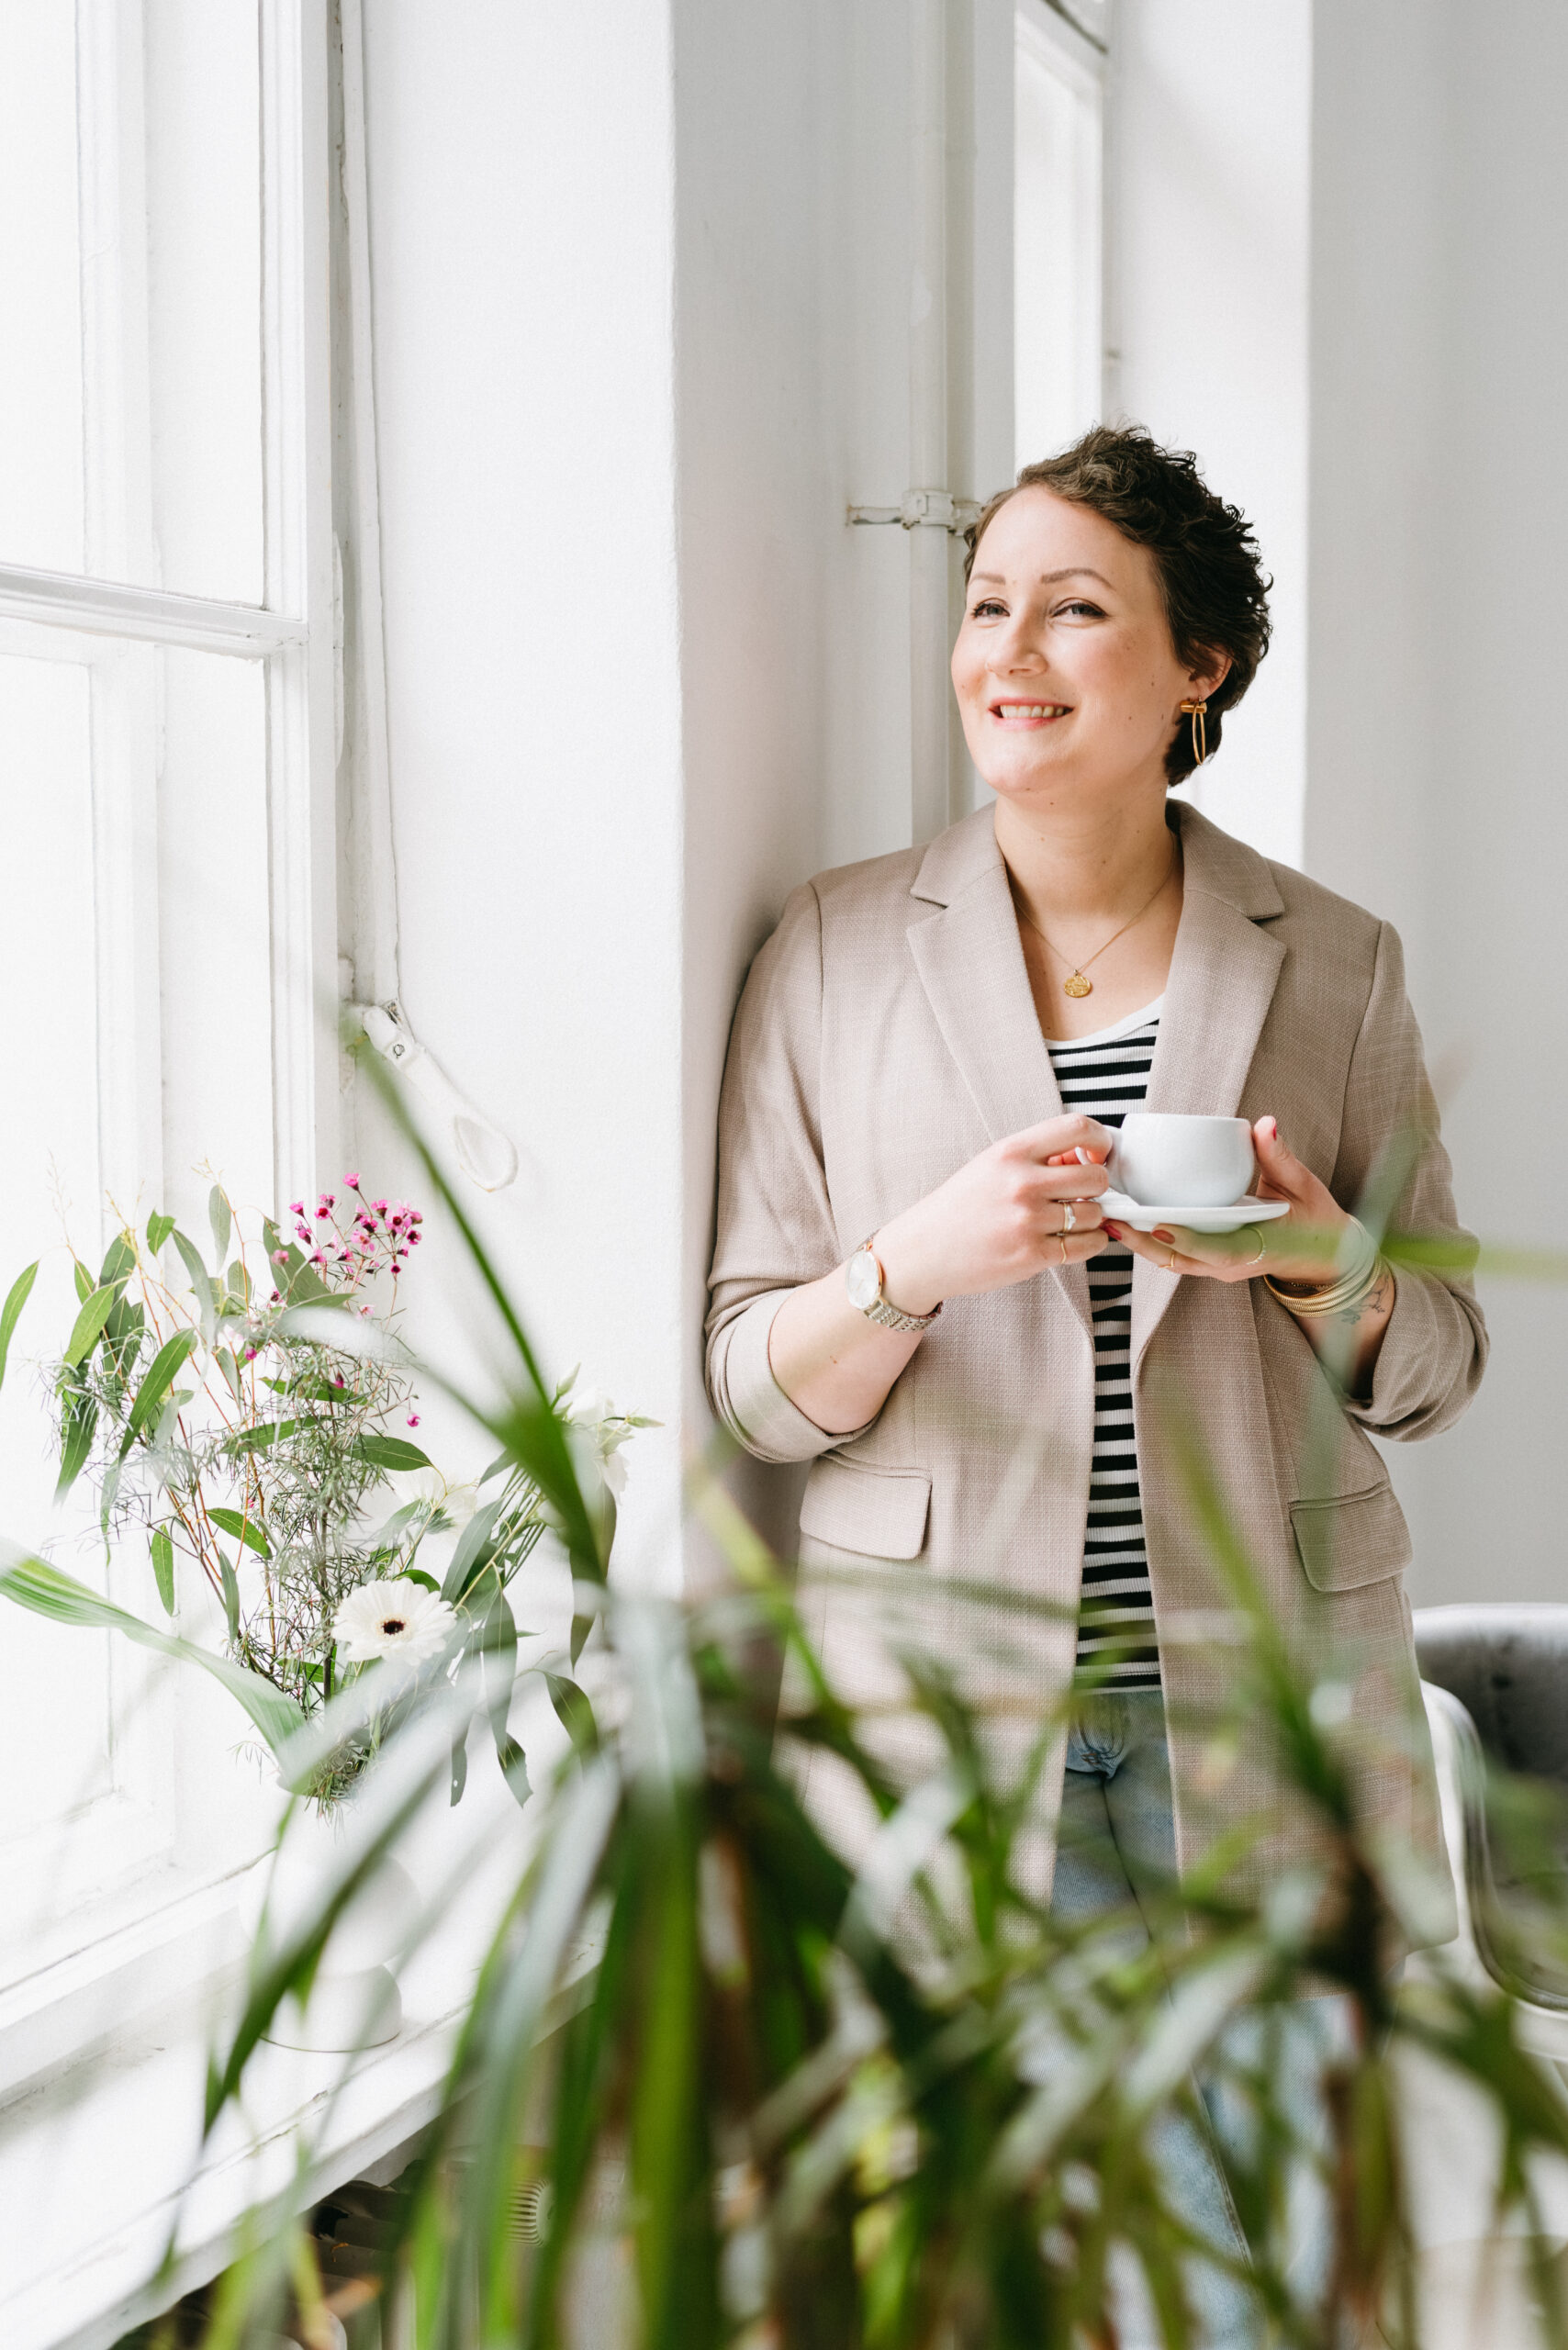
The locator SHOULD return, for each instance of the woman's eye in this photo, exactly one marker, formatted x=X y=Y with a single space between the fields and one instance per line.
x=1078 y=605
x=987 y=608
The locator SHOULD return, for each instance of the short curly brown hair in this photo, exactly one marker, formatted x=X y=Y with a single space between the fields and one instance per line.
x=1216 y=590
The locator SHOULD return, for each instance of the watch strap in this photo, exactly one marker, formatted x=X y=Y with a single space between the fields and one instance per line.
x=888 y=1316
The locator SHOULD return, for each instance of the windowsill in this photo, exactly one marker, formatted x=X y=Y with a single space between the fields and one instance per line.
x=99 y=2144
x=98 y=2164
x=172 y=1935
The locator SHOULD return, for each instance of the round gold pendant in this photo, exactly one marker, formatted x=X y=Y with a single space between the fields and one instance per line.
x=1078 y=985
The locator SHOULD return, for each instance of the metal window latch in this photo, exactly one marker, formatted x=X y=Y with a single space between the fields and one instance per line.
x=482 y=1151
x=933 y=509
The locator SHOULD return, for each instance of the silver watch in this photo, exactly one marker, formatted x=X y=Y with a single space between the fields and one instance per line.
x=863 y=1280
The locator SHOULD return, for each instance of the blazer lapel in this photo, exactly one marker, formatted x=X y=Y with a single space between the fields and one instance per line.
x=970 y=963
x=1223 y=976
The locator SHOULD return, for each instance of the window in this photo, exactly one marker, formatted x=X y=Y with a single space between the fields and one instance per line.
x=167 y=707
x=1058 y=113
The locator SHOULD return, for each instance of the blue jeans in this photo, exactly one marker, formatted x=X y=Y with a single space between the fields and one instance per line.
x=1116 y=1848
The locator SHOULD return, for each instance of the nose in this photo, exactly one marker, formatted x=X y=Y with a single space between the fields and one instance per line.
x=1017 y=648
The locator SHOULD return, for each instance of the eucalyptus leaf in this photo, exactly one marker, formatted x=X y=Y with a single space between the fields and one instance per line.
x=574 y=1711
x=80 y=1424
x=243 y=1530
x=201 y=1282
x=36 y=1583
x=159 y=1228
x=21 y=1289
x=222 y=1221
x=390 y=1452
x=161 y=1373
x=120 y=1261
x=89 y=1323
x=163 y=1567
x=230 y=1582
x=263 y=1439
x=472 y=1553
x=83 y=1281
x=497 y=1660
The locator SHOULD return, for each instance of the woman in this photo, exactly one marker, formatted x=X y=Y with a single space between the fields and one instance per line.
x=915 y=1286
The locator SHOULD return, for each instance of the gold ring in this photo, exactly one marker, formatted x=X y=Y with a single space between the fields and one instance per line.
x=1263 y=1245
x=1170 y=1262
x=1069 y=1216
x=1061 y=1244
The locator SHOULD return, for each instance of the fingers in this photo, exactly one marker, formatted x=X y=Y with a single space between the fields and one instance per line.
x=1165 y=1253
x=1283 y=1173
x=1063 y=1140
x=1072 y=1182
x=1175 y=1249
x=1074 y=1215
x=1072 y=1248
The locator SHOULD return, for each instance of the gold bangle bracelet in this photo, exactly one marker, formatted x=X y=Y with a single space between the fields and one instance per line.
x=1342 y=1297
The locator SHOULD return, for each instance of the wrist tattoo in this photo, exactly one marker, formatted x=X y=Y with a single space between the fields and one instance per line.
x=1375 y=1301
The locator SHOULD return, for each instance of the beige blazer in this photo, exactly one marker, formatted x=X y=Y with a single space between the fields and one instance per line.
x=886 y=1034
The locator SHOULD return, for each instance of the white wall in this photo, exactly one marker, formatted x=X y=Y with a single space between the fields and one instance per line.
x=643 y=310
x=1439 y=616
x=1208 y=261
x=522 y=170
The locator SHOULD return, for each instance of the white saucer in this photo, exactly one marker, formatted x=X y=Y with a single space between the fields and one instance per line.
x=1118 y=1209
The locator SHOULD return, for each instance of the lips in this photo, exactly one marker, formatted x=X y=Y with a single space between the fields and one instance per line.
x=1029 y=714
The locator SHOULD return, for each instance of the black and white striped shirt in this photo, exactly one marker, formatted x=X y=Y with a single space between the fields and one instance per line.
x=1105 y=1076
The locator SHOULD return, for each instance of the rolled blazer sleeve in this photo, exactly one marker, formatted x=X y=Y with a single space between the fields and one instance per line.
x=1434 y=1350
x=776 y=1228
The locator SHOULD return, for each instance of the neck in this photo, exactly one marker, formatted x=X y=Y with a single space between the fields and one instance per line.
x=1084 y=864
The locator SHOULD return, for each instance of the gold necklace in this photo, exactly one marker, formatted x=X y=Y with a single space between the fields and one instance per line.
x=1077 y=983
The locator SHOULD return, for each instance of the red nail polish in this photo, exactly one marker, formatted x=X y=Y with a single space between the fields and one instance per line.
x=1113 y=1229
x=1160 y=1234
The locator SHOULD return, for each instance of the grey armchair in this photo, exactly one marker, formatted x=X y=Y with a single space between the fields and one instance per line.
x=1497 y=1695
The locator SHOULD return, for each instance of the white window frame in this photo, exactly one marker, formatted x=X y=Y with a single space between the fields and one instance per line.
x=1072 y=40
x=135 y=1932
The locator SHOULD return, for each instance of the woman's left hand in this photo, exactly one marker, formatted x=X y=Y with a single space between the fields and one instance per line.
x=1301 y=1246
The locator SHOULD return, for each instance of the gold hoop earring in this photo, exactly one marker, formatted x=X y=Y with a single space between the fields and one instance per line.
x=1197 y=712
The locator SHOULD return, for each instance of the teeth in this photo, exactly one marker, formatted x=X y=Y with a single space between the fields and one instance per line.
x=1031 y=708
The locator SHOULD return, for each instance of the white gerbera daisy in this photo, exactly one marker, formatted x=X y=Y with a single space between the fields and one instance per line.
x=394 y=1619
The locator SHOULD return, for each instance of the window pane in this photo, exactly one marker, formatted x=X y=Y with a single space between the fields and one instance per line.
x=1056 y=252
x=135 y=804
x=130 y=275
x=41 y=351
x=54 y=1723
x=215 y=934
x=203 y=219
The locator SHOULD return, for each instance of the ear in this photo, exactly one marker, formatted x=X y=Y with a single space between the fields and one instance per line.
x=1207 y=674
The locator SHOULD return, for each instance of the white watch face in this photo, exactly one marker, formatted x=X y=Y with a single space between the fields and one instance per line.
x=863 y=1279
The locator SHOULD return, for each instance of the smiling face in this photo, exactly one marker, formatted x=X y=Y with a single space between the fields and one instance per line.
x=1068 y=681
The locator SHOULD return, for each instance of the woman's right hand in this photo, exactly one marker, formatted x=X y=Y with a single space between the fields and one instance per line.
x=1000 y=1218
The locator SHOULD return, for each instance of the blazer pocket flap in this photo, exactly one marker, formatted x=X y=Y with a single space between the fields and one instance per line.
x=1352 y=1539
x=880 y=1512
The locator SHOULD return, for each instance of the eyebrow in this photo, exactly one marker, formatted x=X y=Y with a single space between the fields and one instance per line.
x=1049 y=578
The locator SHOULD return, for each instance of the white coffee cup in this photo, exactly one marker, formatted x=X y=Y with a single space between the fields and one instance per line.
x=1163 y=1159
